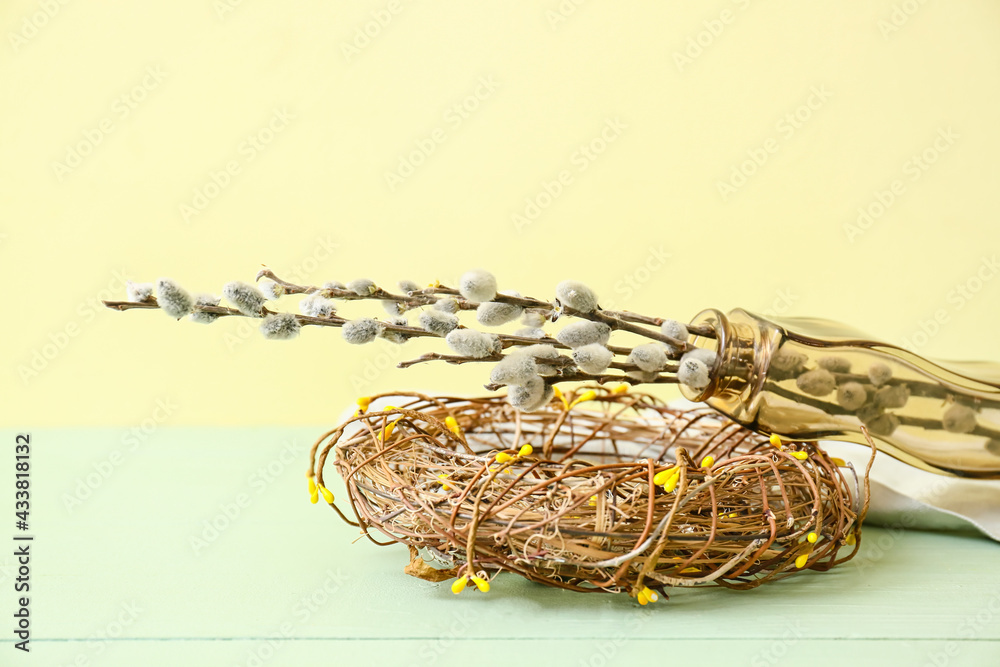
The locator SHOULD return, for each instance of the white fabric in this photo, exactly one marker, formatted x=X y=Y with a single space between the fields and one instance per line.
x=910 y=498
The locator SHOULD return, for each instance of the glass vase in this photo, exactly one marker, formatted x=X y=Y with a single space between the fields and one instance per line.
x=809 y=379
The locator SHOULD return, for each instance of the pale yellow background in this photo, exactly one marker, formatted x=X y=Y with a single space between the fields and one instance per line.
x=778 y=243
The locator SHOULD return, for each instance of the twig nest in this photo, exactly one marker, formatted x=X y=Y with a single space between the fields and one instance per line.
x=173 y=299
x=281 y=326
x=138 y=292
x=531 y=395
x=478 y=286
x=583 y=333
x=245 y=297
x=446 y=305
x=270 y=289
x=580 y=510
x=540 y=352
x=892 y=396
x=818 y=382
x=497 y=313
x=472 y=343
x=693 y=372
x=851 y=395
x=593 y=358
x=317 y=305
x=835 y=364
x=362 y=286
x=879 y=373
x=517 y=368
x=200 y=316
x=360 y=331
x=577 y=296
x=438 y=322
x=959 y=419
x=649 y=357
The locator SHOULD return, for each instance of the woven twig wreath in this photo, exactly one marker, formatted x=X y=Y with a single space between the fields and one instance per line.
x=598 y=491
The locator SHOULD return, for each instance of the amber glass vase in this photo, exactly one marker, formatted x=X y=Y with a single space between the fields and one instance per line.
x=808 y=379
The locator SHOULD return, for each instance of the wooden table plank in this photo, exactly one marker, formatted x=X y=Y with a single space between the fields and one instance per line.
x=126 y=562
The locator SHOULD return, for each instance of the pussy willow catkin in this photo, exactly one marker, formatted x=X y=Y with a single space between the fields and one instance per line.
x=529 y=360
x=599 y=490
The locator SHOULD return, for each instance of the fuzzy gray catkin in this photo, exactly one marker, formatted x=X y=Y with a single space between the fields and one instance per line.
x=362 y=286
x=173 y=299
x=817 y=382
x=593 y=358
x=851 y=395
x=542 y=351
x=271 y=290
x=835 y=364
x=959 y=419
x=577 y=296
x=392 y=308
x=892 y=396
x=200 y=316
x=408 y=286
x=532 y=318
x=879 y=373
x=531 y=395
x=281 y=326
x=515 y=368
x=583 y=333
x=245 y=297
x=478 y=286
x=360 y=331
x=396 y=337
x=446 y=305
x=704 y=355
x=693 y=373
x=651 y=357
x=138 y=292
x=317 y=305
x=529 y=332
x=472 y=343
x=675 y=330
x=437 y=322
x=497 y=313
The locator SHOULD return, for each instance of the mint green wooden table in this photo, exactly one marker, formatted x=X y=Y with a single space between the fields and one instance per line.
x=198 y=546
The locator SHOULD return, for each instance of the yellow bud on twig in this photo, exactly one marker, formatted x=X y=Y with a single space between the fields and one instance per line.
x=327 y=494
x=481 y=584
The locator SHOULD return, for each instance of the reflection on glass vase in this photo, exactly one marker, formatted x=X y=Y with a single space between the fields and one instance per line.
x=809 y=379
